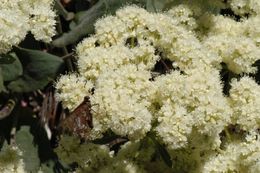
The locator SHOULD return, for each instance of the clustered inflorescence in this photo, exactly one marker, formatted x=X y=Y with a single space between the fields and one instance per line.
x=204 y=126
x=18 y=17
x=11 y=161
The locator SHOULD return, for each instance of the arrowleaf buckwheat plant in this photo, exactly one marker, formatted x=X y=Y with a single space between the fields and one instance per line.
x=203 y=109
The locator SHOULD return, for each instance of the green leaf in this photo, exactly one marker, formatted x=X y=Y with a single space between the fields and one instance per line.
x=86 y=20
x=39 y=68
x=155 y=5
x=48 y=167
x=32 y=140
x=77 y=19
x=32 y=135
x=164 y=154
x=27 y=84
x=161 y=150
x=6 y=59
x=11 y=70
x=24 y=140
x=2 y=87
x=85 y=26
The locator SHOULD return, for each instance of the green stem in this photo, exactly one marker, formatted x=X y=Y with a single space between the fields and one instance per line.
x=62 y=11
x=67 y=61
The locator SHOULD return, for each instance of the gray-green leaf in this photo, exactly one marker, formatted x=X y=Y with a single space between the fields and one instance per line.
x=39 y=68
x=24 y=140
x=2 y=87
x=13 y=69
x=85 y=23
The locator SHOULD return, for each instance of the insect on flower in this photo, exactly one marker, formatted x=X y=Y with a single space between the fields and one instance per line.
x=79 y=122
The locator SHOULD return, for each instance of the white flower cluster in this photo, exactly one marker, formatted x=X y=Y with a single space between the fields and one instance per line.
x=189 y=101
x=121 y=96
x=229 y=39
x=71 y=150
x=243 y=7
x=237 y=157
x=18 y=17
x=125 y=61
x=129 y=159
x=71 y=90
x=10 y=161
x=245 y=102
x=184 y=15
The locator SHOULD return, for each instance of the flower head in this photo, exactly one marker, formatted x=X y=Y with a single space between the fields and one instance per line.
x=18 y=17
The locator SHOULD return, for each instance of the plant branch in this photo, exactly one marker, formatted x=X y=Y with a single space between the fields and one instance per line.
x=63 y=12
